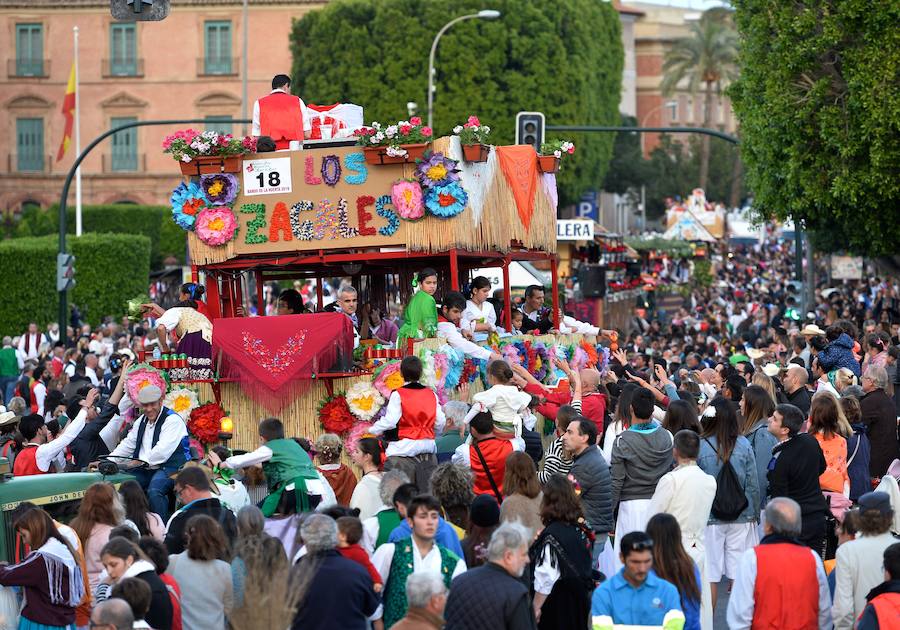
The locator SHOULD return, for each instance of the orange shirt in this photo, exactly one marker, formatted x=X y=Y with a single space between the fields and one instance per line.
x=835 y=451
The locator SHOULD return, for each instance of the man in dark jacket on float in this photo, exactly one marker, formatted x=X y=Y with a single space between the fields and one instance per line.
x=591 y=472
x=879 y=414
x=797 y=462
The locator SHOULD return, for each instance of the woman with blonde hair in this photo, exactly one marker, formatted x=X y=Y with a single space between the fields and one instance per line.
x=844 y=378
x=765 y=381
x=99 y=512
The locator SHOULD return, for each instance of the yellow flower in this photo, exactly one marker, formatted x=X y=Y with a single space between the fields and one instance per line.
x=394 y=381
x=365 y=402
x=437 y=172
x=216 y=188
x=216 y=224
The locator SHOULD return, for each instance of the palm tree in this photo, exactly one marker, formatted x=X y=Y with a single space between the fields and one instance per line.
x=708 y=58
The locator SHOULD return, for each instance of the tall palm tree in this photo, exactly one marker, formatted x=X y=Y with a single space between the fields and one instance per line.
x=706 y=58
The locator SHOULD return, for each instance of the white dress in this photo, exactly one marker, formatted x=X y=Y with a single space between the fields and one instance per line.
x=366 y=496
x=475 y=314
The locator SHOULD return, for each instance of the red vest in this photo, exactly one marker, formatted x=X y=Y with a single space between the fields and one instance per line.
x=887 y=610
x=418 y=413
x=34 y=405
x=281 y=118
x=26 y=463
x=786 y=593
x=495 y=452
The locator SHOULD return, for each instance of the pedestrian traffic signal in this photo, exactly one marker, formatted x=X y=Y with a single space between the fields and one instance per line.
x=530 y=129
x=65 y=272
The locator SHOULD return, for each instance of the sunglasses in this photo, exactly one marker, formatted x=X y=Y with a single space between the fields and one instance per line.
x=642 y=545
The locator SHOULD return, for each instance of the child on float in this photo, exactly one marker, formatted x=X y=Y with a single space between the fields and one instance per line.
x=479 y=316
x=449 y=318
x=420 y=315
x=504 y=401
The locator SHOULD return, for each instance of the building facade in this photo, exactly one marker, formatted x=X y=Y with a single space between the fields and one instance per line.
x=188 y=66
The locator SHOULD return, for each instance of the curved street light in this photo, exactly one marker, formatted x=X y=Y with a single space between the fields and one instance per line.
x=485 y=14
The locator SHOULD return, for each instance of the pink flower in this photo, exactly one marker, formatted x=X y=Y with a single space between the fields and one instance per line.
x=572 y=149
x=415 y=120
x=216 y=226
x=426 y=131
x=407 y=199
x=473 y=122
x=405 y=129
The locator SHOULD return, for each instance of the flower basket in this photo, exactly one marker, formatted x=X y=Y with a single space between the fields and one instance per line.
x=207 y=164
x=548 y=163
x=476 y=152
x=378 y=155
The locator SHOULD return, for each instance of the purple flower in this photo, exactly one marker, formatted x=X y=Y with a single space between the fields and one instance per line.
x=220 y=188
x=436 y=170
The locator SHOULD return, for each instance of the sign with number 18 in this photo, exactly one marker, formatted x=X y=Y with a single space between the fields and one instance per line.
x=267 y=177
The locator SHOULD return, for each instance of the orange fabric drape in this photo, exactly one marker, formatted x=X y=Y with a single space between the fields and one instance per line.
x=519 y=166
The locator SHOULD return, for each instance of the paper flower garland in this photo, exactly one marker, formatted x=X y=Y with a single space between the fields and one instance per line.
x=335 y=416
x=407 y=198
x=446 y=201
x=355 y=434
x=220 y=188
x=436 y=170
x=187 y=200
x=182 y=401
x=141 y=376
x=216 y=226
x=205 y=422
x=388 y=378
x=364 y=400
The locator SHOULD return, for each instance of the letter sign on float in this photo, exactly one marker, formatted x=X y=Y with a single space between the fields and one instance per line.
x=574 y=230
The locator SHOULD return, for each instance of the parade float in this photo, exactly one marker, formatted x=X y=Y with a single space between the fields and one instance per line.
x=376 y=209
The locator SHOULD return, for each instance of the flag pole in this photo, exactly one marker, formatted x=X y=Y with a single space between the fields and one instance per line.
x=77 y=140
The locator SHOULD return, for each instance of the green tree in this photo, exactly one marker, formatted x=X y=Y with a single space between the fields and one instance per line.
x=563 y=58
x=628 y=170
x=706 y=58
x=819 y=103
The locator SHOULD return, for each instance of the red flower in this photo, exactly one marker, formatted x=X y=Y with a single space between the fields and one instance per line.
x=335 y=415
x=405 y=129
x=426 y=131
x=415 y=120
x=205 y=422
x=473 y=122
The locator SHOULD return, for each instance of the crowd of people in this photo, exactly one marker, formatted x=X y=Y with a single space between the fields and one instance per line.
x=734 y=444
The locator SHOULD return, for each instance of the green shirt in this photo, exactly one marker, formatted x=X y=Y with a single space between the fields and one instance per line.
x=9 y=363
x=450 y=441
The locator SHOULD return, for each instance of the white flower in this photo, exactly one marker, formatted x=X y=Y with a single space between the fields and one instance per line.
x=182 y=401
x=185 y=158
x=474 y=128
x=376 y=124
x=378 y=137
x=457 y=129
x=485 y=129
x=710 y=412
x=403 y=123
x=391 y=131
x=393 y=151
x=557 y=153
x=364 y=400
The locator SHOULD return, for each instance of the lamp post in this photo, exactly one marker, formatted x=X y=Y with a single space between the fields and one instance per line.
x=486 y=14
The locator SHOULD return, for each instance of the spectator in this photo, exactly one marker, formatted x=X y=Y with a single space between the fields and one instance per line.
x=10 y=365
x=830 y=428
x=780 y=584
x=486 y=455
x=881 y=611
x=797 y=462
x=859 y=449
x=339 y=476
x=455 y=412
x=484 y=518
x=255 y=552
x=493 y=596
x=794 y=382
x=40 y=452
x=99 y=512
x=445 y=536
x=756 y=407
x=561 y=559
x=137 y=594
x=113 y=614
x=427 y=597
x=339 y=592
x=193 y=489
x=157 y=553
x=377 y=528
x=879 y=414
x=557 y=461
x=207 y=592
x=591 y=473
x=367 y=455
x=123 y=559
x=453 y=485
x=673 y=564
x=634 y=595
x=856 y=570
x=349 y=535
x=137 y=510
x=521 y=491
x=680 y=414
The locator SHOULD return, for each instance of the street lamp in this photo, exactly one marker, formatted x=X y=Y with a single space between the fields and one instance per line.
x=485 y=14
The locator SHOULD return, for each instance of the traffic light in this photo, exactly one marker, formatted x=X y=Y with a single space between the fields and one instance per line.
x=65 y=271
x=794 y=301
x=140 y=10
x=530 y=129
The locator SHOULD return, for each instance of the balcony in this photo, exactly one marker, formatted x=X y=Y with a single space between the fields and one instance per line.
x=122 y=68
x=29 y=163
x=217 y=67
x=28 y=68
x=124 y=163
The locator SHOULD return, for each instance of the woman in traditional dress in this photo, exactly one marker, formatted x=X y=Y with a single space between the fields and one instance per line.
x=366 y=496
x=193 y=329
x=420 y=315
x=49 y=575
x=479 y=316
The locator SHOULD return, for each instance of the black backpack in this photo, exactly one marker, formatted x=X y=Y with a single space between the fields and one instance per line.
x=730 y=500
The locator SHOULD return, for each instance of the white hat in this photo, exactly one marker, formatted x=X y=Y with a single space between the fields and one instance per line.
x=149 y=394
x=8 y=417
x=771 y=369
x=812 y=330
x=756 y=353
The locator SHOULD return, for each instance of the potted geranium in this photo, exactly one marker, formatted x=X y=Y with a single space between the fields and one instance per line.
x=473 y=136
x=552 y=153
x=203 y=152
x=405 y=141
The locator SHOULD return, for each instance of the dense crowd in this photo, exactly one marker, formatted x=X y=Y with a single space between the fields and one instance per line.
x=737 y=442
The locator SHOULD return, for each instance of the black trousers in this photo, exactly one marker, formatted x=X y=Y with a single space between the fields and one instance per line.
x=812 y=532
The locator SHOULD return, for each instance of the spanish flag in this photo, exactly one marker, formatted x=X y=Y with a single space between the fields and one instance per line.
x=68 y=110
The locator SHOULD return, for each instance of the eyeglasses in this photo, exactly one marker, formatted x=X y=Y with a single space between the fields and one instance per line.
x=643 y=544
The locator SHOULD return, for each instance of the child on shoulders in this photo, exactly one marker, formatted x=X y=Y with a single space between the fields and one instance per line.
x=505 y=402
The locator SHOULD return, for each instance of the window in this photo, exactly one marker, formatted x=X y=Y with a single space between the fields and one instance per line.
x=124 y=145
x=29 y=50
x=218 y=124
x=30 y=144
x=217 y=48
x=123 y=50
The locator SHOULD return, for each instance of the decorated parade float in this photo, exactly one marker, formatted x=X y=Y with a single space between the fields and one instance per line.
x=375 y=209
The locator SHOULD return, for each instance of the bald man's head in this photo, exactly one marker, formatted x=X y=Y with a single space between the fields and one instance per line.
x=113 y=613
x=590 y=378
x=710 y=376
x=783 y=517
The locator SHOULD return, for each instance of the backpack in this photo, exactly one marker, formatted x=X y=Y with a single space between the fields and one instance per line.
x=730 y=499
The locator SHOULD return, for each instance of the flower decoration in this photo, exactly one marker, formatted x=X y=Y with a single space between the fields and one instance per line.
x=603 y=360
x=205 y=422
x=220 y=188
x=216 y=226
x=190 y=143
x=411 y=131
x=436 y=170
x=472 y=132
x=446 y=201
x=355 y=434
x=382 y=210
x=388 y=378
x=140 y=376
x=455 y=363
x=335 y=415
x=182 y=401
x=364 y=400
x=591 y=353
x=406 y=196
x=187 y=201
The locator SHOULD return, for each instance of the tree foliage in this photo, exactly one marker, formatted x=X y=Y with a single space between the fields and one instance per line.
x=819 y=103
x=563 y=58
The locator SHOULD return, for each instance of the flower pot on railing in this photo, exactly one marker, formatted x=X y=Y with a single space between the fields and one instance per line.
x=476 y=152
x=379 y=154
x=207 y=164
x=548 y=163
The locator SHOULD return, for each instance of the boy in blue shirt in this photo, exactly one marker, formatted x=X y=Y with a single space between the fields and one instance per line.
x=635 y=595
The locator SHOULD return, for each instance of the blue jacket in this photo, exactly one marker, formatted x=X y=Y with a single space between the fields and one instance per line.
x=744 y=462
x=646 y=605
x=859 y=449
x=839 y=354
x=445 y=535
x=762 y=443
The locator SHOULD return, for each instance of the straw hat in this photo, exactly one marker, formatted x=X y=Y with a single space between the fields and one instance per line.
x=771 y=369
x=812 y=330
